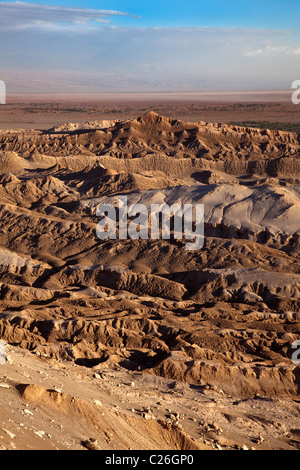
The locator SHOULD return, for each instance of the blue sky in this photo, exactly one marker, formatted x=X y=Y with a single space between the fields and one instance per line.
x=270 y=14
x=132 y=45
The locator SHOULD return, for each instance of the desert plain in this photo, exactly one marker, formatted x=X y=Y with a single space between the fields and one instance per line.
x=142 y=344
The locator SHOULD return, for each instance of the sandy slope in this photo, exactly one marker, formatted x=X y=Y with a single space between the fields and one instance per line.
x=214 y=326
x=50 y=405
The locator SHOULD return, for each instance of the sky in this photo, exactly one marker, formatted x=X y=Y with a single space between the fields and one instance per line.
x=149 y=46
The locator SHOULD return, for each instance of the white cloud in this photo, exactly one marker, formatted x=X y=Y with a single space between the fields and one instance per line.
x=294 y=52
x=22 y=15
x=42 y=42
x=274 y=50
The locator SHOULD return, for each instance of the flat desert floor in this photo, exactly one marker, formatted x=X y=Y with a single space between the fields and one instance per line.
x=47 y=111
x=142 y=344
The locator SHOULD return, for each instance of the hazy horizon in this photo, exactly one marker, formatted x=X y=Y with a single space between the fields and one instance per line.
x=148 y=47
x=183 y=96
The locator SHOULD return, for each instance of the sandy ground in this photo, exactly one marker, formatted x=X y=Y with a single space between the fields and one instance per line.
x=51 y=405
x=44 y=112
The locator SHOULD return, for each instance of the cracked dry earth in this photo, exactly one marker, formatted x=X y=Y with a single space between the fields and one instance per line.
x=140 y=344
